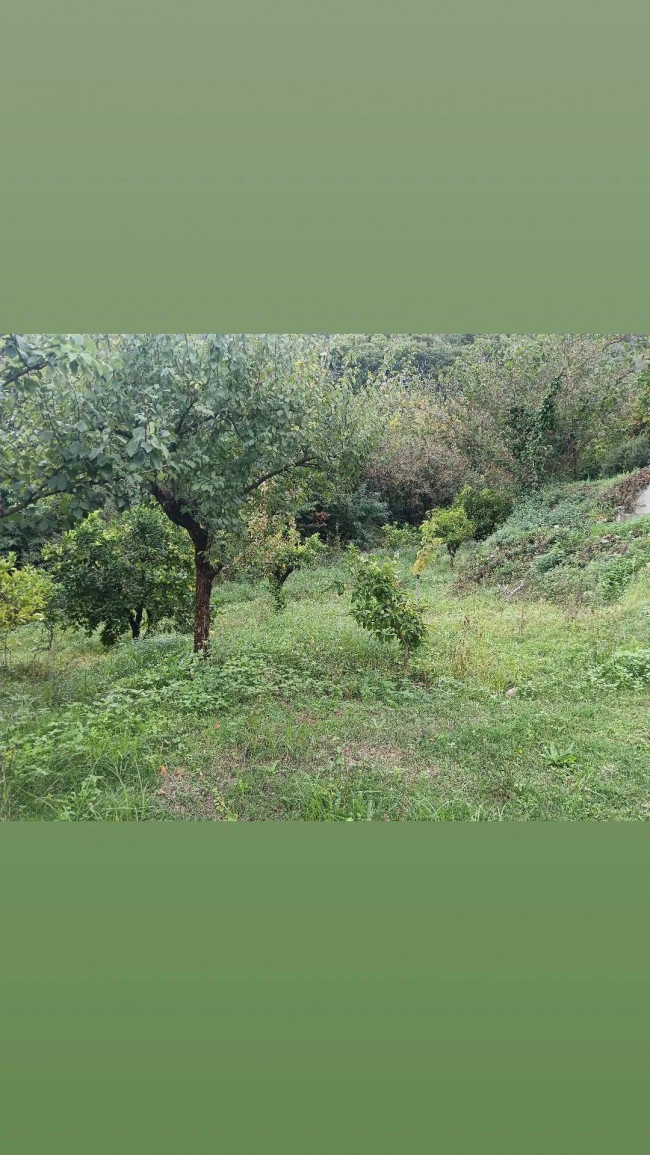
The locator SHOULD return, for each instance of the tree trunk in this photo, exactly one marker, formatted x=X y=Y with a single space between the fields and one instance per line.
x=205 y=575
x=406 y=660
x=135 y=621
x=281 y=575
x=205 y=572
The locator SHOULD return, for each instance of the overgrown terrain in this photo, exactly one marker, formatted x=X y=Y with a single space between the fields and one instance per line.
x=577 y=543
x=336 y=576
x=514 y=709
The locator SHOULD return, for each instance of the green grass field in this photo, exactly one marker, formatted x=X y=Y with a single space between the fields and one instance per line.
x=513 y=710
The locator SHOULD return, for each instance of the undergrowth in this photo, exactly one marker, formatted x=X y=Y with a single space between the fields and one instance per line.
x=513 y=709
x=566 y=543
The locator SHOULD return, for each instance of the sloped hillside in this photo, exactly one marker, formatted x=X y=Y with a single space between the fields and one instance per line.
x=579 y=541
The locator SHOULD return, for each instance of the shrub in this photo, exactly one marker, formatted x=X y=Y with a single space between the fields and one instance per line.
x=288 y=553
x=355 y=518
x=629 y=455
x=399 y=537
x=380 y=605
x=23 y=595
x=485 y=508
x=273 y=548
x=449 y=527
x=118 y=573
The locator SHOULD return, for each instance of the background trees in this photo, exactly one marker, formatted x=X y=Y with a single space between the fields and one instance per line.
x=531 y=408
x=339 y=432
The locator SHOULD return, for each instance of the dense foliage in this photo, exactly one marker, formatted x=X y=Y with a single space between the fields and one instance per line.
x=275 y=549
x=355 y=518
x=23 y=596
x=485 y=508
x=449 y=527
x=634 y=453
x=199 y=423
x=122 y=573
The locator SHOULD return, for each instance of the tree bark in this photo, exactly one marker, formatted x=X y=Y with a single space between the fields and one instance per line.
x=204 y=571
x=205 y=575
x=135 y=621
x=281 y=575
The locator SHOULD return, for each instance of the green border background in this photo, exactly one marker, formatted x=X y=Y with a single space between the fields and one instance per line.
x=350 y=167
x=299 y=167
x=315 y=986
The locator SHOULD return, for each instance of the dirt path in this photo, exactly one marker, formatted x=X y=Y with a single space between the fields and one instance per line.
x=642 y=503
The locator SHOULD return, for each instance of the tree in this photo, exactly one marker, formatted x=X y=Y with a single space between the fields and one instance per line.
x=416 y=466
x=449 y=527
x=23 y=595
x=641 y=407
x=528 y=408
x=273 y=548
x=121 y=572
x=381 y=605
x=200 y=423
x=407 y=358
x=285 y=552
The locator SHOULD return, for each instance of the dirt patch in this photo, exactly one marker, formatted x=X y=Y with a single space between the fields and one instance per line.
x=188 y=797
x=358 y=753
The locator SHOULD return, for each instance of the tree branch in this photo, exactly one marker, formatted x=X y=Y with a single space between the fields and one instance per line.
x=42 y=491
x=175 y=512
x=304 y=463
x=24 y=372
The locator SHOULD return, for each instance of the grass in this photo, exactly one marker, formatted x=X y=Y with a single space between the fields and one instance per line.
x=514 y=709
x=564 y=543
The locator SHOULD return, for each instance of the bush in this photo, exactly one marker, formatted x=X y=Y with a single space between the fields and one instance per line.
x=354 y=518
x=449 y=527
x=118 y=573
x=380 y=605
x=23 y=596
x=629 y=455
x=399 y=537
x=287 y=554
x=485 y=508
x=273 y=548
